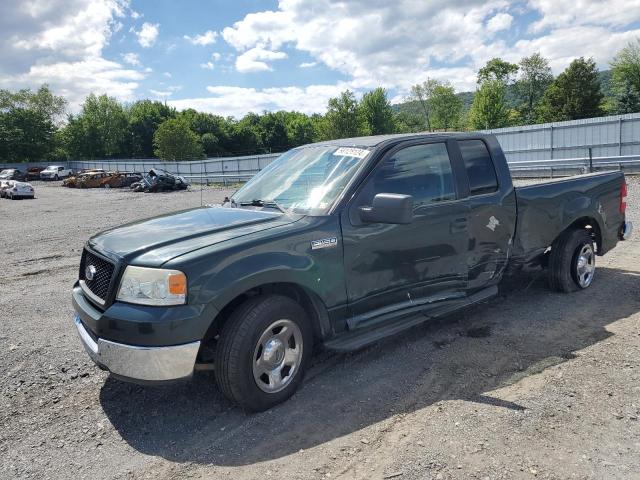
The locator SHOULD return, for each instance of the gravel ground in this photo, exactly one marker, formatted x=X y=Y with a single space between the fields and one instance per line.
x=533 y=384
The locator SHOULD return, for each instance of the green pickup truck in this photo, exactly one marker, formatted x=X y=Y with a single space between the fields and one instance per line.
x=333 y=246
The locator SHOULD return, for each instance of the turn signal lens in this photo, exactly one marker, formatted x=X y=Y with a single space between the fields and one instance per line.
x=177 y=284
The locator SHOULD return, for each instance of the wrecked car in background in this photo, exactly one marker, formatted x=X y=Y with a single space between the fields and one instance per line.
x=16 y=190
x=72 y=182
x=33 y=173
x=121 y=179
x=11 y=174
x=160 y=181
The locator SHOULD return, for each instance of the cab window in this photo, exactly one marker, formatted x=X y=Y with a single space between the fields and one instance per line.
x=422 y=171
x=480 y=170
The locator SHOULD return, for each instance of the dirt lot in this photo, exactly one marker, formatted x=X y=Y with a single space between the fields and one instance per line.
x=533 y=384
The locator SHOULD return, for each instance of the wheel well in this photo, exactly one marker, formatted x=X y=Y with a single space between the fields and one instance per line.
x=590 y=224
x=309 y=301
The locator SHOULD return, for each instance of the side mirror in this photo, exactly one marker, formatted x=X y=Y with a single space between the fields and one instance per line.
x=388 y=208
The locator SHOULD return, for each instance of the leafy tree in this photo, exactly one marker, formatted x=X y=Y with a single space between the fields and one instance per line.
x=100 y=130
x=28 y=122
x=244 y=139
x=574 y=94
x=343 y=118
x=144 y=118
x=446 y=107
x=626 y=66
x=175 y=141
x=273 y=131
x=498 y=70
x=214 y=127
x=626 y=100
x=421 y=93
x=535 y=78
x=377 y=112
x=408 y=122
x=489 y=109
x=301 y=129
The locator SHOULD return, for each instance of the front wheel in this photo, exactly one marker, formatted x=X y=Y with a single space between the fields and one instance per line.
x=263 y=351
x=572 y=261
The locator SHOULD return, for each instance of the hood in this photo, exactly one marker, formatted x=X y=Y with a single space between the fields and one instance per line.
x=154 y=241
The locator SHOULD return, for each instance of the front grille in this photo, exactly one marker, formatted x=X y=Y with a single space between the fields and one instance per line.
x=101 y=281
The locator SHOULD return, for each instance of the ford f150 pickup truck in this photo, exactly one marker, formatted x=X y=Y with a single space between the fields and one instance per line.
x=334 y=245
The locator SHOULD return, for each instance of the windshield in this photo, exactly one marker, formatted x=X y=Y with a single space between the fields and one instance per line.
x=5 y=172
x=51 y=168
x=306 y=180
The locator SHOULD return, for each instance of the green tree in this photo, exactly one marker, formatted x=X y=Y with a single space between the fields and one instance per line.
x=144 y=118
x=100 y=130
x=28 y=122
x=626 y=66
x=377 y=112
x=301 y=129
x=535 y=78
x=499 y=70
x=421 y=94
x=489 y=109
x=175 y=141
x=343 y=118
x=574 y=94
x=446 y=108
x=273 y=131
x=626 y=100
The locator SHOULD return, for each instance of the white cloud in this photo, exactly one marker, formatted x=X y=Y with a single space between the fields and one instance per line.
x=148 y=34
x=308 y=64
x=207 y=65
x=215 y=57
x=61 y=42
x=569 y=13
x=501 y=21
x=207 y=38
x=131 y=58
x=135 y=15
x=254 y=60
x=397 y=44
x=237 y=101
x=167 y=74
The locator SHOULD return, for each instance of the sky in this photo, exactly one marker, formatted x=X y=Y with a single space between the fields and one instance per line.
x=232 y=57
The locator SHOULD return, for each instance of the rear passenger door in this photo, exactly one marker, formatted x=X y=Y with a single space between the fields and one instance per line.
x=492 y=216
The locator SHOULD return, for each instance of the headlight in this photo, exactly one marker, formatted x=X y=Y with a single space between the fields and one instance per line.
x=153 y=286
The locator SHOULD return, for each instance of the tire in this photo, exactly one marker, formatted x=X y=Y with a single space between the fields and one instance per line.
x=249 y=345
x=572 y=262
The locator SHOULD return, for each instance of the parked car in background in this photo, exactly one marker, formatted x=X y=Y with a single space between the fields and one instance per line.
x=17 y=190
x=120 y=179
x=160 y=181
x=11 y=174
x=55 y=172
x=33 y=173
x=4 y=185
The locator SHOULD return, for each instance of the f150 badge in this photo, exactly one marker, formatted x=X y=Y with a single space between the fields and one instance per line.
x=324 y=243
x=493 y=223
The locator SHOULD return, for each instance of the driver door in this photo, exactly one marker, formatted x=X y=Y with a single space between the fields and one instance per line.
x=393 y=267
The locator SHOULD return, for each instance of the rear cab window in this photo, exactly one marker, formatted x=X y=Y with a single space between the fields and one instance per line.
x=479 y=165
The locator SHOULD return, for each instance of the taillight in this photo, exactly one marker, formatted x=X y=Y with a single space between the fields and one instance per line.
x=623 y=198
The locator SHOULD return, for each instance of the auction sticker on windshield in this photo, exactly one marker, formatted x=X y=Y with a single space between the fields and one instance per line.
x=351 y=152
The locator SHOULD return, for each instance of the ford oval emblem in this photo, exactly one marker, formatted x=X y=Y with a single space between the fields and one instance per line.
x=89 y=272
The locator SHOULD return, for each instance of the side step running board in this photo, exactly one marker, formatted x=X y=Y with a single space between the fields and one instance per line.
x=361 y=337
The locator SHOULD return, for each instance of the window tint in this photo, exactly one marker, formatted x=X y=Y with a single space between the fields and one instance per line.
x=422 y=171
x=482 y=175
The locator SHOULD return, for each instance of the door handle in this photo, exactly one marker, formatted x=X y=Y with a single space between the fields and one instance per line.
x=459 y=225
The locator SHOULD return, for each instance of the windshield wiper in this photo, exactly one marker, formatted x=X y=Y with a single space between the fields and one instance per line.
x=263 y=203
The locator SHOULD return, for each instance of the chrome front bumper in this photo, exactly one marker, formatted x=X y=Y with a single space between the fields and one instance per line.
x=140 y=363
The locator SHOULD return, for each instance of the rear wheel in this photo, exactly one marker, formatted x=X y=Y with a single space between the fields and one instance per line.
x=572 y=261
x=263 y=351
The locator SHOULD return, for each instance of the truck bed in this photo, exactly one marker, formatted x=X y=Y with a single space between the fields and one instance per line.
x=547 y=208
